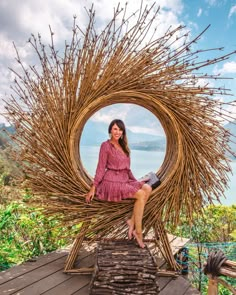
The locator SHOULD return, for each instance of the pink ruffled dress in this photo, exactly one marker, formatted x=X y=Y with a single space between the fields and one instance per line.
x=114 y=180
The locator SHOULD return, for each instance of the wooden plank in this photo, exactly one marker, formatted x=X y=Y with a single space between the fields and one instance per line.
x=83 y=291
x=26 y=279
x=45 y=284
x=28 y=266
x=45 y=276
x=70 y=286
x=55 y=279
x=192 y=291
x=163 y=281
x=171 y=238
x=176 y=286
x=177 y=244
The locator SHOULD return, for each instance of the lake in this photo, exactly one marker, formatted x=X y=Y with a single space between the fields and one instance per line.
x=144 y=161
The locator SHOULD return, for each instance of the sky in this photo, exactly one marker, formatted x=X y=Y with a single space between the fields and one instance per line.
x=20 y=19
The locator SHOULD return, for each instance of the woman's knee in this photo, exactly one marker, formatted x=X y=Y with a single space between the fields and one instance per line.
x=148 y=189
x=141 y=195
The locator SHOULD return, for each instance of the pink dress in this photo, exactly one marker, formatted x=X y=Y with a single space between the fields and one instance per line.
x=114 y=180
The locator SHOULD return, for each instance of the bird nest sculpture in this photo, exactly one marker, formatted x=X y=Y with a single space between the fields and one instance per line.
x=54 y=99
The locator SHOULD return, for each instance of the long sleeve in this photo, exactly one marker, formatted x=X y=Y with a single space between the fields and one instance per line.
x=101 y=167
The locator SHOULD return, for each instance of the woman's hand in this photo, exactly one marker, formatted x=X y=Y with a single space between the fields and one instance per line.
x=90 y=194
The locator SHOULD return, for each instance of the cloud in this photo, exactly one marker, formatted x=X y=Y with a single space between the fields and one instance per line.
x=227 y=68
x=232 y=11
x=211 y=2
x=226 y=111
x=19 y=19
x=2 y=118
x=137 y=118
x=107 y=114
x=199 y=13
x=146 y=130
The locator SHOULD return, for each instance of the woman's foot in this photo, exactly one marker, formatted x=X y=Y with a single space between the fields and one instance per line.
x=139 y=239
x=131 y=228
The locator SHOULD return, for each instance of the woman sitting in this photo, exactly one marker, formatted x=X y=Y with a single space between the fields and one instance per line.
x=114 y=180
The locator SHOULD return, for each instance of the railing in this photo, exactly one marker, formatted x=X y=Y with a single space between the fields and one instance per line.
x=218 y=265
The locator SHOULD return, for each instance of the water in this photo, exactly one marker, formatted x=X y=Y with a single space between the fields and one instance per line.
x=143 y=162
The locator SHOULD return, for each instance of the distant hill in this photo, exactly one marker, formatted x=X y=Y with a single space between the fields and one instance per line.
x=157 y=145
x=10 y=129
x=4 y=130
x=95 y=133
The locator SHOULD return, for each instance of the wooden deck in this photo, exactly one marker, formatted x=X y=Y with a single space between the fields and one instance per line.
x=44 y=275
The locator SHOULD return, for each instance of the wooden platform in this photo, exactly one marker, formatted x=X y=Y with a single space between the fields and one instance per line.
x=44 y=275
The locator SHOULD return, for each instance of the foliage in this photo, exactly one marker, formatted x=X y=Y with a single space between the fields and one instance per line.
x=216 y=224
x=26 y=232
x=213 y=230
x=10 y=172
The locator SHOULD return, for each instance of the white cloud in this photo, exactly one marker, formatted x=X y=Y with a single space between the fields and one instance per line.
x=107 y=114
x=19 y=19
x=205 y=82
x=227 y=68
x=232 y=11
x=229 y=113
x=199 y=13
x=6 y=48
x=2 y=118
x=211 y=2
x=137 y=119
x=226 y=112
x=146 y=130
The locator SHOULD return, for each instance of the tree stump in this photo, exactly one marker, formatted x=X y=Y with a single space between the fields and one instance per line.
x=121 y=267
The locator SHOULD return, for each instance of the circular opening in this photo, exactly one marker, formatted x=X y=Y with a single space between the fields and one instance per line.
x=146 y=137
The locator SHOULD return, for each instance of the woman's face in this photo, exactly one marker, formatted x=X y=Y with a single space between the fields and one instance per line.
x=116 y=132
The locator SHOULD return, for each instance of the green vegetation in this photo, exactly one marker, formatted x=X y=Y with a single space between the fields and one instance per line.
x=25 y=231
x=216 y=224
x=212 y=231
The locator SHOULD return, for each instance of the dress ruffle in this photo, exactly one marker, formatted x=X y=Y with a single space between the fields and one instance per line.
x=114 y=180
x=117 y=191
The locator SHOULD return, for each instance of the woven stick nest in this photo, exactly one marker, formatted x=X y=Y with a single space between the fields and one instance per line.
x=54 y=100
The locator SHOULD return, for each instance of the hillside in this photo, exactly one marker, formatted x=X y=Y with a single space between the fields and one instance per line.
x=4 y=130
x=95 y=133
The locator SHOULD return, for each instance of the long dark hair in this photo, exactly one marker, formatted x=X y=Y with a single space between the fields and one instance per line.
x=123 y=141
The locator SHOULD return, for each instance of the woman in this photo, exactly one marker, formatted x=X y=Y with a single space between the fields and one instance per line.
x=114 y=180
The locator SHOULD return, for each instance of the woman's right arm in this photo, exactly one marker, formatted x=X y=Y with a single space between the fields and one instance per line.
x=90 y=194
x=100 y=171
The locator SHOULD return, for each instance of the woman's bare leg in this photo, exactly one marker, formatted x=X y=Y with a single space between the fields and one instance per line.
x=130 y=223
x=136 y=223
x=141 y=198
x=138 y=216
x=148 y=189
